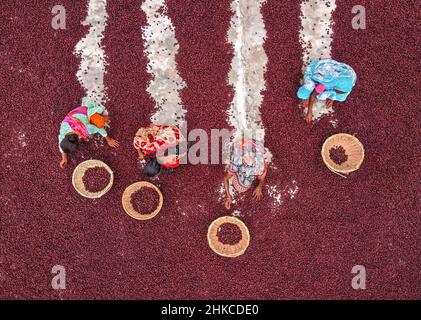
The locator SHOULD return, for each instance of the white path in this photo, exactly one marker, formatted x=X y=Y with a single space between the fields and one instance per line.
x=316 y=38
x=161 y=48
x=247 y=35
x=93 y=61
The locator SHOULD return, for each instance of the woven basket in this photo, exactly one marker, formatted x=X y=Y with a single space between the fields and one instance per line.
x=227 y=250
x=127 y=204
x=79 y=172
x=353 y=148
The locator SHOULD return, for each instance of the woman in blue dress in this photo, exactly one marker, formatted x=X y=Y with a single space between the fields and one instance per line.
x=326 y=80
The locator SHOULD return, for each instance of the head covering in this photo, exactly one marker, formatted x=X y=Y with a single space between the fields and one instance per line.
x=320 y=88
x=97 y=120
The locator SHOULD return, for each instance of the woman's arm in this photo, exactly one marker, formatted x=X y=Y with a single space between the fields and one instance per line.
x=228 y=199
x=140 y=154
x=110 y=141
x=64 y=160
x=310 y=103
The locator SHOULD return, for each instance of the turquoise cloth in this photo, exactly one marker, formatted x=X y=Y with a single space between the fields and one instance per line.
x=91 y=109
x=333 y=75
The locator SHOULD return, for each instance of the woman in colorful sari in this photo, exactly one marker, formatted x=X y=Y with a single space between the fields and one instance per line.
x=79 y=125
x=247 y=164
x=326 y=80
x=160 y=145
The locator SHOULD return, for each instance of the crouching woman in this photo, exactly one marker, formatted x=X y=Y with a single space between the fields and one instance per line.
x=247 y=164
x=160 y=146
x=80 y=124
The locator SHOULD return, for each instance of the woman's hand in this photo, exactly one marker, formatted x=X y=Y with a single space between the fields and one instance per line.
x=257 y=193
x=228 y=199
x=329 y=103
x=228 y=202
x=63 y=163
x=113 y=143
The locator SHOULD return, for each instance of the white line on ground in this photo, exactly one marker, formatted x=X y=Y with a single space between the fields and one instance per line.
x=161 y=48
x=92 y=66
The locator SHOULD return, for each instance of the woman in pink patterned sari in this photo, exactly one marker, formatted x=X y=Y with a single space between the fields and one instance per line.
x=154 y=142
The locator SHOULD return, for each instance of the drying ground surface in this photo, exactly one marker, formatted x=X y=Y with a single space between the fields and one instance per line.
x=303 y=246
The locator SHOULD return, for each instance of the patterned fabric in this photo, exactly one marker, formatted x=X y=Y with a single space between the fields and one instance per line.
x=79 y=110
x=247 y=162
x=77 y=126
x=158 y=138
x=333 y=75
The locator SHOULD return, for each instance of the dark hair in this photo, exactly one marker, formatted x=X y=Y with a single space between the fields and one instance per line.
x=70 y=143
x=152 y=168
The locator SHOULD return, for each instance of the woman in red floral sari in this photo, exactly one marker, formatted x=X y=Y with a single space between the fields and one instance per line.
x=155 y=142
